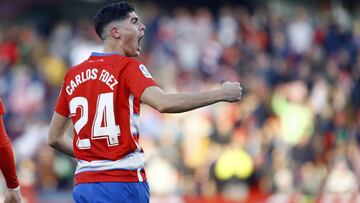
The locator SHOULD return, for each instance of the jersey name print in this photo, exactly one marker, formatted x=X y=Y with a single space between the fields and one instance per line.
x=102 y=98
x=91 y=74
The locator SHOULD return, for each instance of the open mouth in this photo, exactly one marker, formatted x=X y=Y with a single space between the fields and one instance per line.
x=140 y=38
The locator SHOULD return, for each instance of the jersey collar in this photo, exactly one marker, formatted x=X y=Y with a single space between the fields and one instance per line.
x=104 y=54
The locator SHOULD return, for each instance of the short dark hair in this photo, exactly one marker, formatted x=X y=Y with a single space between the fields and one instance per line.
x=111 y=12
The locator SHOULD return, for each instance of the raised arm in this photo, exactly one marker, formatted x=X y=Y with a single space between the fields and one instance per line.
x=181 y=102
x=57 y=138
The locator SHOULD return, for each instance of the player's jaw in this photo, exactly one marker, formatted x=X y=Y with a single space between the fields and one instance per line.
x=134 y=45
x=140 y=37
x=130 y=44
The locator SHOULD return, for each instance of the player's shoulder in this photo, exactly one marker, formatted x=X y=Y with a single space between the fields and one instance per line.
x=131 y=61
x=136 y=66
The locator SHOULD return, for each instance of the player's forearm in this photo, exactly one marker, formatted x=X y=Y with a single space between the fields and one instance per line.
x=181 y=102
x=63 y=145
x=57 y=138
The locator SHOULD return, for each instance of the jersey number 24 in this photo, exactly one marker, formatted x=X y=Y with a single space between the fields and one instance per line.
x=104 y=112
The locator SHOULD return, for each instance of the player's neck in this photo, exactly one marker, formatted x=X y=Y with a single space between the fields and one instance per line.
x=111 y=46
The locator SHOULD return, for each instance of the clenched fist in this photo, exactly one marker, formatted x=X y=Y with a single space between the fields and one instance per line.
x=232 y=91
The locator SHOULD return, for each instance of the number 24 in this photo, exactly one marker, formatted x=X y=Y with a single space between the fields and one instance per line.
x=104 y=110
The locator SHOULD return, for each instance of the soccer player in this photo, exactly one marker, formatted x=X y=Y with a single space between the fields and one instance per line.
x=7 y=164
x=102 y=97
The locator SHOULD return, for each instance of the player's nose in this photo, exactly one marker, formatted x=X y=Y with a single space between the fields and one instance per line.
x=142 y=27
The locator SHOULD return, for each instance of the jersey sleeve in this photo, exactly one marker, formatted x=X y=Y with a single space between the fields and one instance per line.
x=7 y=163
x=2 y=108
x=138 y=78
x=62 y=106
x=7 y=166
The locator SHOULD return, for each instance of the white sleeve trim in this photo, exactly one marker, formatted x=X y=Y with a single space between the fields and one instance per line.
x=17 y=189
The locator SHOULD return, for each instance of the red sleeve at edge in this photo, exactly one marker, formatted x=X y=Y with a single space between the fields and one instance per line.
x=7 y=163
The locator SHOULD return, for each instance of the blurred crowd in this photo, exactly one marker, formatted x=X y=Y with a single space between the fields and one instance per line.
x=294 y=137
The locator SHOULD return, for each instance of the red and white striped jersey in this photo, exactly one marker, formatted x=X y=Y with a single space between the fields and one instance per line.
x=102 y=98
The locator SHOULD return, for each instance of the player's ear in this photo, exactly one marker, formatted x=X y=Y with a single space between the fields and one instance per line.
x=115 y=33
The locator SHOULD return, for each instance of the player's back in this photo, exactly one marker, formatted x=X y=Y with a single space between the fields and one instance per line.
x=102 y=98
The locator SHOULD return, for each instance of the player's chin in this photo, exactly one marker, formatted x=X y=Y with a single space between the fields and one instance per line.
x=136 y=52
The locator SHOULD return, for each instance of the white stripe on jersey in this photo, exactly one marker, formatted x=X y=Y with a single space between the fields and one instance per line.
x=139 y=175
x=134 y=120
x=132 y=161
